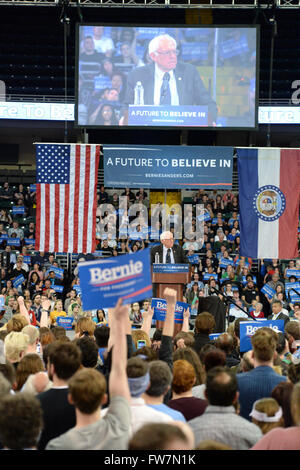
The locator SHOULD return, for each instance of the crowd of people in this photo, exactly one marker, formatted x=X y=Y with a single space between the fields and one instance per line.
x=115 y=381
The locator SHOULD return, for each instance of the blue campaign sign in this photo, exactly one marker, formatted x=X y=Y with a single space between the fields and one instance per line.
x=57 y=288
x=104 y=281
x=18 y=210
x=78 y=289
x=59 y=272
x=247 y=329
x=32 y=188
x=194 y=51
x=167 y=167
x=102 y=82
x=29 y=241
x=65 y=322
x=170 y=268
x=160 y=309
x=224 y=262
x=13 y=241
x=253 y=278
x=193 y=116
x=27 y=259
x=18 y=280
x=293 y=272
x=193 y=259
x=214 y=336
x=2 y=300
x=268 y=291
x=292 y=295
x=207 y=276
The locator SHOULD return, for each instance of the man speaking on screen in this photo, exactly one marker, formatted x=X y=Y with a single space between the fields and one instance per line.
x=168 y=82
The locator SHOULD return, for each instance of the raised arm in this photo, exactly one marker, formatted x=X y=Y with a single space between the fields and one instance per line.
x=23 y=309
x=45 y=313
x=186 y=318
x=147 y=320
x=170 y=295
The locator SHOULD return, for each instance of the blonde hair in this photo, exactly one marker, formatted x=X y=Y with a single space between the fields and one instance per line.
x=270 y=407
x=16 y=323
x=32 y=332
x=15 y=343
x=85 y=324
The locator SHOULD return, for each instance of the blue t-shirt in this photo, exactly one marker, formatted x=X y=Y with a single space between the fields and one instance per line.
x=176 y=415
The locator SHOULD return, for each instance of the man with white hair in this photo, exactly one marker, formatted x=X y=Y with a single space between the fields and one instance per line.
x=168 y=252
x=167 y=81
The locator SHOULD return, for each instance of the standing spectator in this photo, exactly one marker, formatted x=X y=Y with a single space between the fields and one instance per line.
x=204 y=326
x=267 y=414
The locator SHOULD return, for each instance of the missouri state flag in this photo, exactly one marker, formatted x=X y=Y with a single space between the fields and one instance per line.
x=269 y=193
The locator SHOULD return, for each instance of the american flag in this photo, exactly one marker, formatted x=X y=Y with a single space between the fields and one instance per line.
x=66 y=197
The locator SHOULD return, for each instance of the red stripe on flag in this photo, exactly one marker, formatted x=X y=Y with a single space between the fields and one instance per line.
x=141 y=291
x=86 y=198
x=38 y=217
x=47 y=217
x=97 y=158
x=66 y=219
x=56 y=218
x=76 y=199
x=290 y=186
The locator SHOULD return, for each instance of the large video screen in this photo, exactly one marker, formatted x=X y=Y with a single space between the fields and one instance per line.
x=142 y=76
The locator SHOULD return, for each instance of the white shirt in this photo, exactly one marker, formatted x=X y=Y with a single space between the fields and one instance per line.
x=104 y=44
x=158 y=79
x=165 y=255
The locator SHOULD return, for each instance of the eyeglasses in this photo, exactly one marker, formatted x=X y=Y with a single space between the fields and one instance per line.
x=168 y=53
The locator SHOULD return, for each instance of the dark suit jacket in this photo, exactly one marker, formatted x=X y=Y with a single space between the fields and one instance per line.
x=190 y=88
x=282 y=316
x=178 y=252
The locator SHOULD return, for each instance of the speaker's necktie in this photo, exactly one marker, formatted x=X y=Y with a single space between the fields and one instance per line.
x=168 y=257
x=165 y=94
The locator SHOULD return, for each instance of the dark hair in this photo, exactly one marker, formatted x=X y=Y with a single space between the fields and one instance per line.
x=136 y=367
x=66 y=358
x=214 y=358
x=294 y=373
x=190 y=355
x=282 y=394
x=237 y=326
x=281 y=339
x=8 y=371
x=157 y=335
x=205 y=349
x=293 y=328
x=205 y=323
x=221 y=386
x=101 y=334
x=149 y=353
x=160 y=378
x=156 y=436
x=21 y=421
x=89 y=351
x=225 y=343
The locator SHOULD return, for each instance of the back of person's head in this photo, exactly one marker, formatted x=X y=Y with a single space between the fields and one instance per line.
x=236 y=326
x=9 y=372
x=16 y=323
x=32 y=332
x=212 y=445
x=59 y=332
x=221 y=387
x=225 y=343
x=159 y=436
x=281 y=342
x=295 y=404
x=264 y=343
x=205 y=349
x=21 y=421
x=5 y=386
x=294 y=372
x=65 y=358
x=293 y=328
x=138 y=376
x=16 y=344
x=160 y=378
x=140 y=335
x=89 y=351
x=205 y=323
x=146 y=353
x=87 y=389
x=214 y=358
x=37 y=383
x=85 y=325
x=29 y=364
x=47 y=338
x=267 y=414
x=101 y=334
x=282 y=393
x=192 y=357
x=184 y=376
x=247 y=362
x=184 y=339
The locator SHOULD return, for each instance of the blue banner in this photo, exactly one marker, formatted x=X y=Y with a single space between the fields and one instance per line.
x=247 y=329
x=245 y=281
x=18 y=280
x=224 y=262
x=160 y=309
x=193 y=259
x=167 y=166
x=268 y=291
x=168 y=116
x=207 y=276
x=13 y=241
x=29 y=241
x=104 y=281
x=78 y=289
x=291 y=294
x=293 y=272
x=170 y=268
x=32 y=188
x=59 y=272
x=18 y=210
x=27 y=259
x=65 y=322
x=214 y=336
x=57 y=288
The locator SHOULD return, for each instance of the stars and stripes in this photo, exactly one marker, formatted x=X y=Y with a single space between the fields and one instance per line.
x=66 y=194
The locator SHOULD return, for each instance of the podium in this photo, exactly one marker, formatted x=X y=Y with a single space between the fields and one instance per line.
x=174 y=276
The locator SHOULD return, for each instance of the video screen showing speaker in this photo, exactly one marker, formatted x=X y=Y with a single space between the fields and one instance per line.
x=142 y=76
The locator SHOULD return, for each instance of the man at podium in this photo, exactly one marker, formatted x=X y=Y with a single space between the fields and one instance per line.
x=167 y=252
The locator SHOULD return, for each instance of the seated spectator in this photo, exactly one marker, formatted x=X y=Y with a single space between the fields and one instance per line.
x=257 y=311
x=284 y=438
x=21 y=421
x=277 y=313
x=184 y=378
x=259 y=382
x=164 y=436
x=15 y=229
x=57 y=312
x=267 y=414
x=64 y=359
x=220 y=422
x=160 y=384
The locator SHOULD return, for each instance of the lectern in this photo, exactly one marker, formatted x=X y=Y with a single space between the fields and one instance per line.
x=175 y=276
